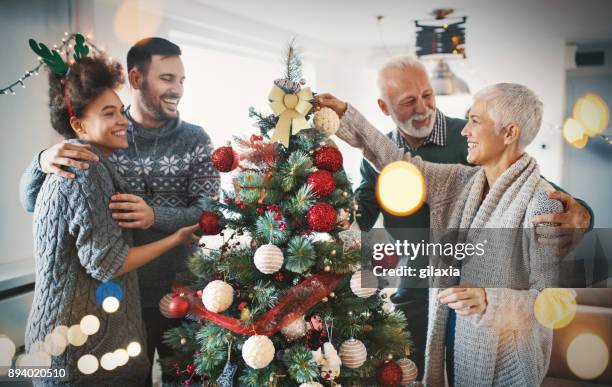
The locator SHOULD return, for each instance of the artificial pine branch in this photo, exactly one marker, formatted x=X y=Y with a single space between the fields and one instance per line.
x=293 y=62
x=300 y=364
x=300 y=254
x=299 y=203
x=267 y=229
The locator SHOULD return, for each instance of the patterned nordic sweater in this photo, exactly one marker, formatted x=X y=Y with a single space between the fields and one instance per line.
x=504 y=346
x=174 y=161
x=78 y=245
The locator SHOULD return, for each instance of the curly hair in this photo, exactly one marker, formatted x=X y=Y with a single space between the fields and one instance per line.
x=86 y=80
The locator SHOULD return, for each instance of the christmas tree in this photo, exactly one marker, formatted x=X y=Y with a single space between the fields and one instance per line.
x=287 y=307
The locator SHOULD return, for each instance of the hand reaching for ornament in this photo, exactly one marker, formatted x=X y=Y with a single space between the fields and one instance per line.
x=329 y=101
x=186 y=234
x=465 y=301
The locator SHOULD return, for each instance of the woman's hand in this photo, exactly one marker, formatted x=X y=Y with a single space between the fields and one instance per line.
x=465 y=301
x=186 y=234
x=328 y=100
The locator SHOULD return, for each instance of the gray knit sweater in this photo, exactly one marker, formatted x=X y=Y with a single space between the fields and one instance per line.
x=78 y=245
x=174 y=161
x=504 y=346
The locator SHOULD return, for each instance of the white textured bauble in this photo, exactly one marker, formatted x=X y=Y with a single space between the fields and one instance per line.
x=326 y=121
x=258 y=351
x=295 y=330
x=217 y=296
x=356 y=282
x=311 y=384
x=353 y=353
x=409 y=370
x=268 y=258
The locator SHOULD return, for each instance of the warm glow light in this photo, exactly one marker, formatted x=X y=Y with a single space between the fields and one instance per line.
x=87 y=364
x=107 y=361
x=400 y=188
x=121 y=357
x=7 y=351
x=90 y=324
x=55 y=343
x=574 y=133
x=132 y=21
x=555 y=308
x=133 y=349
x=76 y=336
x=35 y=359
x=587 y=356
x=592 y=112
x=110 y=304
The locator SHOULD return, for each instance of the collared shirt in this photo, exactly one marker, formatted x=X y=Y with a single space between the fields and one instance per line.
x=437 y=135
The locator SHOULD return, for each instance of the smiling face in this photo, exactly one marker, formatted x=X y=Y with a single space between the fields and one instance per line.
x=161 y=88
x=103 y=123
x=409 y=100
x=485 y=144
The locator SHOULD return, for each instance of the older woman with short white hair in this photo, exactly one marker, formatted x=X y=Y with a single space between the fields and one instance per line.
x=491 y=331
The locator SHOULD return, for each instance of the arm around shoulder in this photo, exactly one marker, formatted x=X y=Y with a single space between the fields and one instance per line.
x=30 y=184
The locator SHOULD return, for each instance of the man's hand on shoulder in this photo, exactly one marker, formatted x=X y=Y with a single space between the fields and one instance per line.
x=65 y=154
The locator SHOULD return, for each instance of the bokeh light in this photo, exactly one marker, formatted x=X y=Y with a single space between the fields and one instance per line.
x=400 y=188
x=110 y=304
x=34 y=359
x=107 y=361
x=592 y=112
x=76 y=336
x=109 y=288
x=90 y=324
x=55 y=343
x=587 y=356
x=87 y=364
x=121 y=357
x=133 y=21
x=134 y=349
x=574 y=133
x=7 y=351
x=555 y=308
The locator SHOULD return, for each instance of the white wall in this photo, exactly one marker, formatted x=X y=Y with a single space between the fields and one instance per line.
x=25 y=118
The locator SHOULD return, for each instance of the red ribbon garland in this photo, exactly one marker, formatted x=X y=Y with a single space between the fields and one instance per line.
x=295 y=302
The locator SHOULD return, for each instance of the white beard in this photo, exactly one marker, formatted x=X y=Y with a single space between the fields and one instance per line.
x=408 y=128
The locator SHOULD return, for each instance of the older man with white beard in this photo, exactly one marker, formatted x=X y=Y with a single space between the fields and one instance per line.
x=406 y=95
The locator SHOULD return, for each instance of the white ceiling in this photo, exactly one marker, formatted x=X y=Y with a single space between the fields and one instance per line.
x=352 y=23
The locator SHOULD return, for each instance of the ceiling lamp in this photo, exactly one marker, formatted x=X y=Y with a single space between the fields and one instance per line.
x=445 y=82
x=441 y=39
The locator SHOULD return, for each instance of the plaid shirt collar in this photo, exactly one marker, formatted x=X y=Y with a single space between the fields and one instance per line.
x=437 y=135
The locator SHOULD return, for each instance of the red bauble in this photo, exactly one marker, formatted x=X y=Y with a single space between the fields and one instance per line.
x=321 y=217
x=209 y=223
x=178 y=307
x=224 y=159
x=387 y=262
x=328 y=158
x=322 y=183
x=389 y=374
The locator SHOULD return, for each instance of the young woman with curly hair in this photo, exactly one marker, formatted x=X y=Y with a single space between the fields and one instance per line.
x=78 y=245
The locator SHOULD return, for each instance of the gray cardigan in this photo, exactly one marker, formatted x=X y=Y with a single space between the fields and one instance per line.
x=77 y=246
x=505 y=345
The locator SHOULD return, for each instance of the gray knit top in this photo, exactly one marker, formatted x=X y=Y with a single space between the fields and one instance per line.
x=77 y=246
x=171 y=169
x=504 y=346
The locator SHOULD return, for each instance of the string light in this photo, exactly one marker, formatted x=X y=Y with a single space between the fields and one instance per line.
x=64 y=48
